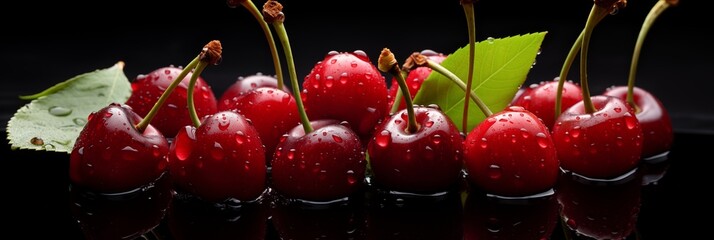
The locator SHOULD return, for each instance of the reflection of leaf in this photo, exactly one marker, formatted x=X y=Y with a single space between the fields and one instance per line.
x=500 y=67
x=53 y=120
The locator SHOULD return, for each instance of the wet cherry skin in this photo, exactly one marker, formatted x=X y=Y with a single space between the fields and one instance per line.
x=511 y=153
x=244 y=85
x=657 y=133
x=425 y=162
x=222 y=159
x=346 y=86
x=603 y=145
x=173 y=115
x=415 y=78
x=540 y=99
x=273 y=112
x=324 y=165
x=112 y=156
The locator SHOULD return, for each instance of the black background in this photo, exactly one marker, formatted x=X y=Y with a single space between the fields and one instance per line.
x=49 y=42
x=45 y=43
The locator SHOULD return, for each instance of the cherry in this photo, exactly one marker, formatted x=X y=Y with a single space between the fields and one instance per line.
x=598 y=138
x=127 y=216
x=222 y=159
x=274 y=111
x=540 y=99
x=603 y=144
x=170 y=119
x=318 y=161
x=111 y=155
x=651 y=113
x=418 y=149
x=322 y=165
x=511 y=154
x=414 y=80
x=657 y=133
x=347 y=86
x=244 y=85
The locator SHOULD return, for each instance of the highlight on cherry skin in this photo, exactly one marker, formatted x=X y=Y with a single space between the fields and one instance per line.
x=414 y=79
x=427 y=161
x=348 y=87
x=111 y=156
x=511 y=154
x=656 y=124
x=222 y=159
x=325 y=165
x=601 y=146
x=245 y=84
x=540 y=99
x=173 y=115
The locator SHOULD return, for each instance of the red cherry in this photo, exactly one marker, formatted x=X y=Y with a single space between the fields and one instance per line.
x=414 y=79
x=112 y=156
x=273 y=113
x=222 y=159
x=346 y=87
x=325 y=165
x=605 y=144
x=128 y=216
x=596 y=211
x=173 y=115
x=511 y=153
x=657 y=134
x=244 y=85
x=427 y=161
x=540 y=99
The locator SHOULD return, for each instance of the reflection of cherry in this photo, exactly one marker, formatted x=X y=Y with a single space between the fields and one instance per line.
x=490 y=218
x=599 y=211
x=296 y=220
x=120 y=216
x=192 y=218
x=391 y=217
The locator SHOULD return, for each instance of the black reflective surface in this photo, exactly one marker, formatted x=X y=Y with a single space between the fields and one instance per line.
x=661 y=201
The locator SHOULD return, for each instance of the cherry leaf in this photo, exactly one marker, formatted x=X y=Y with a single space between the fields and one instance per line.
x=500 y=68
x=54 y=118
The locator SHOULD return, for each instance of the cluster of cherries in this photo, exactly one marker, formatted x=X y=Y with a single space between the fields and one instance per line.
x=258 y=135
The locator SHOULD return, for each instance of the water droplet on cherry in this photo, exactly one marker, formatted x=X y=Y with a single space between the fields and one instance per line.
x=217 y=151
x=384 y=138
x=542 y=140
x=494 y=171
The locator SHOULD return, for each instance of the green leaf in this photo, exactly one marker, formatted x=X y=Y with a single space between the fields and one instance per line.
x=500 y=68
x=53 y=120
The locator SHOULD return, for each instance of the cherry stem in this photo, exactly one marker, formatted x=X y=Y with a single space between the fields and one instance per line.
x=399 y=96
x=656 y=10
x=574 y=50
x=387 y=63
x=248 y=4
x=210 y=54
x=424 y=61
x=596 y=14
x=141 y=126
x=470 y=20
x=191 y=85
x=272 y=13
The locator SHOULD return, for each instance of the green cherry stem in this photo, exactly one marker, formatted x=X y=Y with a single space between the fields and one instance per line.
x=470 y=20
x=422 y=60
x=248 y=4
x=211 y=53
x=387 y=63
x=273 y=13
x=574 y=50
x=398 y=97
x=656 y=10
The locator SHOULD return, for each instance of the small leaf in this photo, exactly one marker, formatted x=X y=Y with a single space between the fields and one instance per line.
x=500 y=68
x=53 y=120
